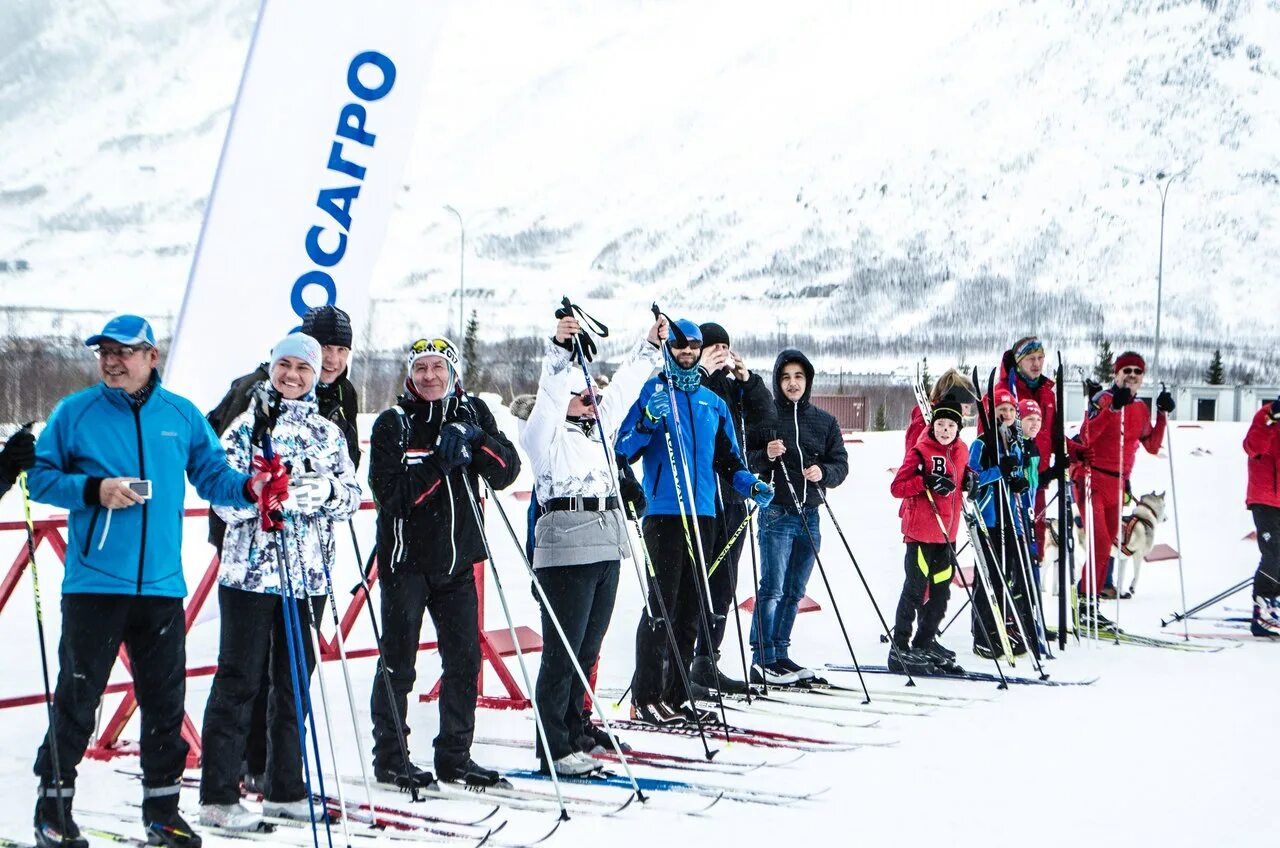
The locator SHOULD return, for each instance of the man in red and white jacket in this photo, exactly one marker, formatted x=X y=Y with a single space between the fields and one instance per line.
x=1262 y=444
x=1109 y=411
x=934 y=472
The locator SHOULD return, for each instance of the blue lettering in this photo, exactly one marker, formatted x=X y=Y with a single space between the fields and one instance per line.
x=337 y=163
x=312 y=278
x=383 y=64
x=337 y=202
x=354 y=131
x=318 y=254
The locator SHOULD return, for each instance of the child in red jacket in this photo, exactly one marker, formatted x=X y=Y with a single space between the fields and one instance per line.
x=1262 y=444
x=930 y=482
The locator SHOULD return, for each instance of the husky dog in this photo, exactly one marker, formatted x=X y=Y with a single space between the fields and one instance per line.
x=1138 y=537
x=1138 y=532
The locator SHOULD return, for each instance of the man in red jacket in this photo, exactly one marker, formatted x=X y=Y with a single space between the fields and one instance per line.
x=1112 y=411
x=1022 y=372
x=1262 y=444
x=936 y=466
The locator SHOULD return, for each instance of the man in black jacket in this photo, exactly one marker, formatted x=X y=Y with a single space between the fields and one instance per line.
x=338 y=402
x=425 y=459
x=802 y=453
x=725 y=373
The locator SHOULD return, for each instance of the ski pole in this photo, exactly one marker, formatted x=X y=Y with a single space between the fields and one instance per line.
x=817 y=558
x=1119 y=538
x=1177 y=526
x=583 y=678
x=1221 y=596
x=984 y=559
x=755 y=606
x=822 y=495
x=515 y=643
x=955 y=563
x=44 y=656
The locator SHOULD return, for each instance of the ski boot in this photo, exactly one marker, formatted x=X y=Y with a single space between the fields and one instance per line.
x=165 y=825
x=595 y=738
x=690 y=713
x=657 y=714
x=404 y=778
x=942 y=662
x=907 y=661
x=773 y=674
x=807 y=676
x=53 y=808
x=472 y=775
x=1263 y=625
x=705 y=672
x=255 y=783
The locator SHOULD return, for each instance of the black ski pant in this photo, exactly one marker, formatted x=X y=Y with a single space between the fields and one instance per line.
x=254 y=642
x=657 y=677
x=581 y=596
x=925 y=593
x=153 y=632
x=1018 y=618
x=1266 y=580
x=451 y=601
x=724 y=580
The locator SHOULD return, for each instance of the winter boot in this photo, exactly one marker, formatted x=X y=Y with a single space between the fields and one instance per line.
x=1263 y=625
x=229 y=817
x=595 y=738
x=299 y=810
x=163 y=822
x=471 y=775
x=53 y=808
x=575 y=764
x=404 y=778
x=907 y=661
x=980 y=648
x=693 y=714
x=937 y=647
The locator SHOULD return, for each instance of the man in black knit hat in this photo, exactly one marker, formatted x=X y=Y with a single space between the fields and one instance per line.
x=750 y=404
x=338 y=402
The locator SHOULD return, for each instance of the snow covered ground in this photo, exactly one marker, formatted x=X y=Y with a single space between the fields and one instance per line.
x=1167 y=748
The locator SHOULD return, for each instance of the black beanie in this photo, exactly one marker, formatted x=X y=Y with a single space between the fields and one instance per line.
x=328 y=325
x=947 y=411
x=713 y=333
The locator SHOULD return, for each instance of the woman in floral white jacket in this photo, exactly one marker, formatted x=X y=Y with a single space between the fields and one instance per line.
x=322 y=490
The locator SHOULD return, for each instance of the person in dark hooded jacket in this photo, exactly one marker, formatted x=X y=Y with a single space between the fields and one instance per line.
x=426 y=456
x=801 y=453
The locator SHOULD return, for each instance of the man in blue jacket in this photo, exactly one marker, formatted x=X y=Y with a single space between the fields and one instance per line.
x=684 y=434
x=117 y=456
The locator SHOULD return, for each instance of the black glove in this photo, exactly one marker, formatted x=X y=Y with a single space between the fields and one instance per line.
x=971 y=485
x=1121 y=397
x=1018 y=485
x=1164 y=402
x=1275 y=408
x=940 y=484
x=633 y=496
x=1091 y=388
x=452 y=449
x=18 y=455
x=1008 y=465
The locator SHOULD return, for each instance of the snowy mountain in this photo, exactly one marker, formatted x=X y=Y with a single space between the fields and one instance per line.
x=877 y=181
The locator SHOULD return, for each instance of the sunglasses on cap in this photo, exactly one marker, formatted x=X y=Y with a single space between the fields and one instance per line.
x=439 y=346
x=1131 y=370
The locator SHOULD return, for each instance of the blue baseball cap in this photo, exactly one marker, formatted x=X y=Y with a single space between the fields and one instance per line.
x=125 y=329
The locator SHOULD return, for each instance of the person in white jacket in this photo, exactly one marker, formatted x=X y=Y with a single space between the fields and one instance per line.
x=580 y=537
x=252 y=582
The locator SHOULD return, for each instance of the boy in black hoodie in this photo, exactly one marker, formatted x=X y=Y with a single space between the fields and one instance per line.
x=801 y=453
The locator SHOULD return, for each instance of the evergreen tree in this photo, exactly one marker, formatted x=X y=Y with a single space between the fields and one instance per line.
x=925 y=379
x=881 y=423
x=474 y=376
x=1105 y=369
x=1215 y=374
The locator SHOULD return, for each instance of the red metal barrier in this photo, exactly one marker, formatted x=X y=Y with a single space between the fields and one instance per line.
x=494 y=644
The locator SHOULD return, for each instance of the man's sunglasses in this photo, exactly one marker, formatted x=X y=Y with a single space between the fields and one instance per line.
x=586 y=398
x=1137 y=371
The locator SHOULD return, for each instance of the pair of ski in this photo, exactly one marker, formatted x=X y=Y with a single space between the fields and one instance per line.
x=746 y=795
x=1111 y=633
x=981 y=676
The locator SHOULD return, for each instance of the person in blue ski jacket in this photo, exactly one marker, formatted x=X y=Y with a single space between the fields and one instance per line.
x=683 y=433
x=117 y=456
x=1005 y=497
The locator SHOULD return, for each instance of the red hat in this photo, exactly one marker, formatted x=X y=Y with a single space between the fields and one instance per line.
x=1029 y=407
x=1129 y=359
x=1004 y=396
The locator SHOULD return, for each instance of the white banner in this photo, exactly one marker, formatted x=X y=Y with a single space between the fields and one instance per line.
x=308 y=177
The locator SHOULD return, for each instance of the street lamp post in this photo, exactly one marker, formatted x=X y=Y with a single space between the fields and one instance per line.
x=1163 y=181
x=462 y=253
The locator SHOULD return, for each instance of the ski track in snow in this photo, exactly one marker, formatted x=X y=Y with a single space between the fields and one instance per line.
x=1164 y=750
